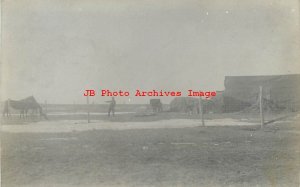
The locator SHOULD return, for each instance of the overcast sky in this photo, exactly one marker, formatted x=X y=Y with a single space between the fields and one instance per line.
x=55 y=49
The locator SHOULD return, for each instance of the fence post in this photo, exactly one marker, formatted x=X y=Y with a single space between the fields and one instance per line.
x=73 y=109
x=8 y=108
x=88 y=108
x=201 y=111
x=261 y=108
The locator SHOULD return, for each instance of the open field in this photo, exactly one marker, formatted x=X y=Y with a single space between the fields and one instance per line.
x=192 y=156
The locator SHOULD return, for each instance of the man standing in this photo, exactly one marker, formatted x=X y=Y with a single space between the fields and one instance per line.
x=112 y=105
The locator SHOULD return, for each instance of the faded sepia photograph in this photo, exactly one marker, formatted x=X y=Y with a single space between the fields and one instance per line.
x=141 y=93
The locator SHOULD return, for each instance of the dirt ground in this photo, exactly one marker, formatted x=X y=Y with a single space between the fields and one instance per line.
x=241 y=155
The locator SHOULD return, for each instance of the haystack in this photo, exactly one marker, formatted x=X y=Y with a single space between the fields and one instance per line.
x=183 y=104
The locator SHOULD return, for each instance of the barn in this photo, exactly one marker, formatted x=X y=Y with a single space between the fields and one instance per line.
x=242 y=91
